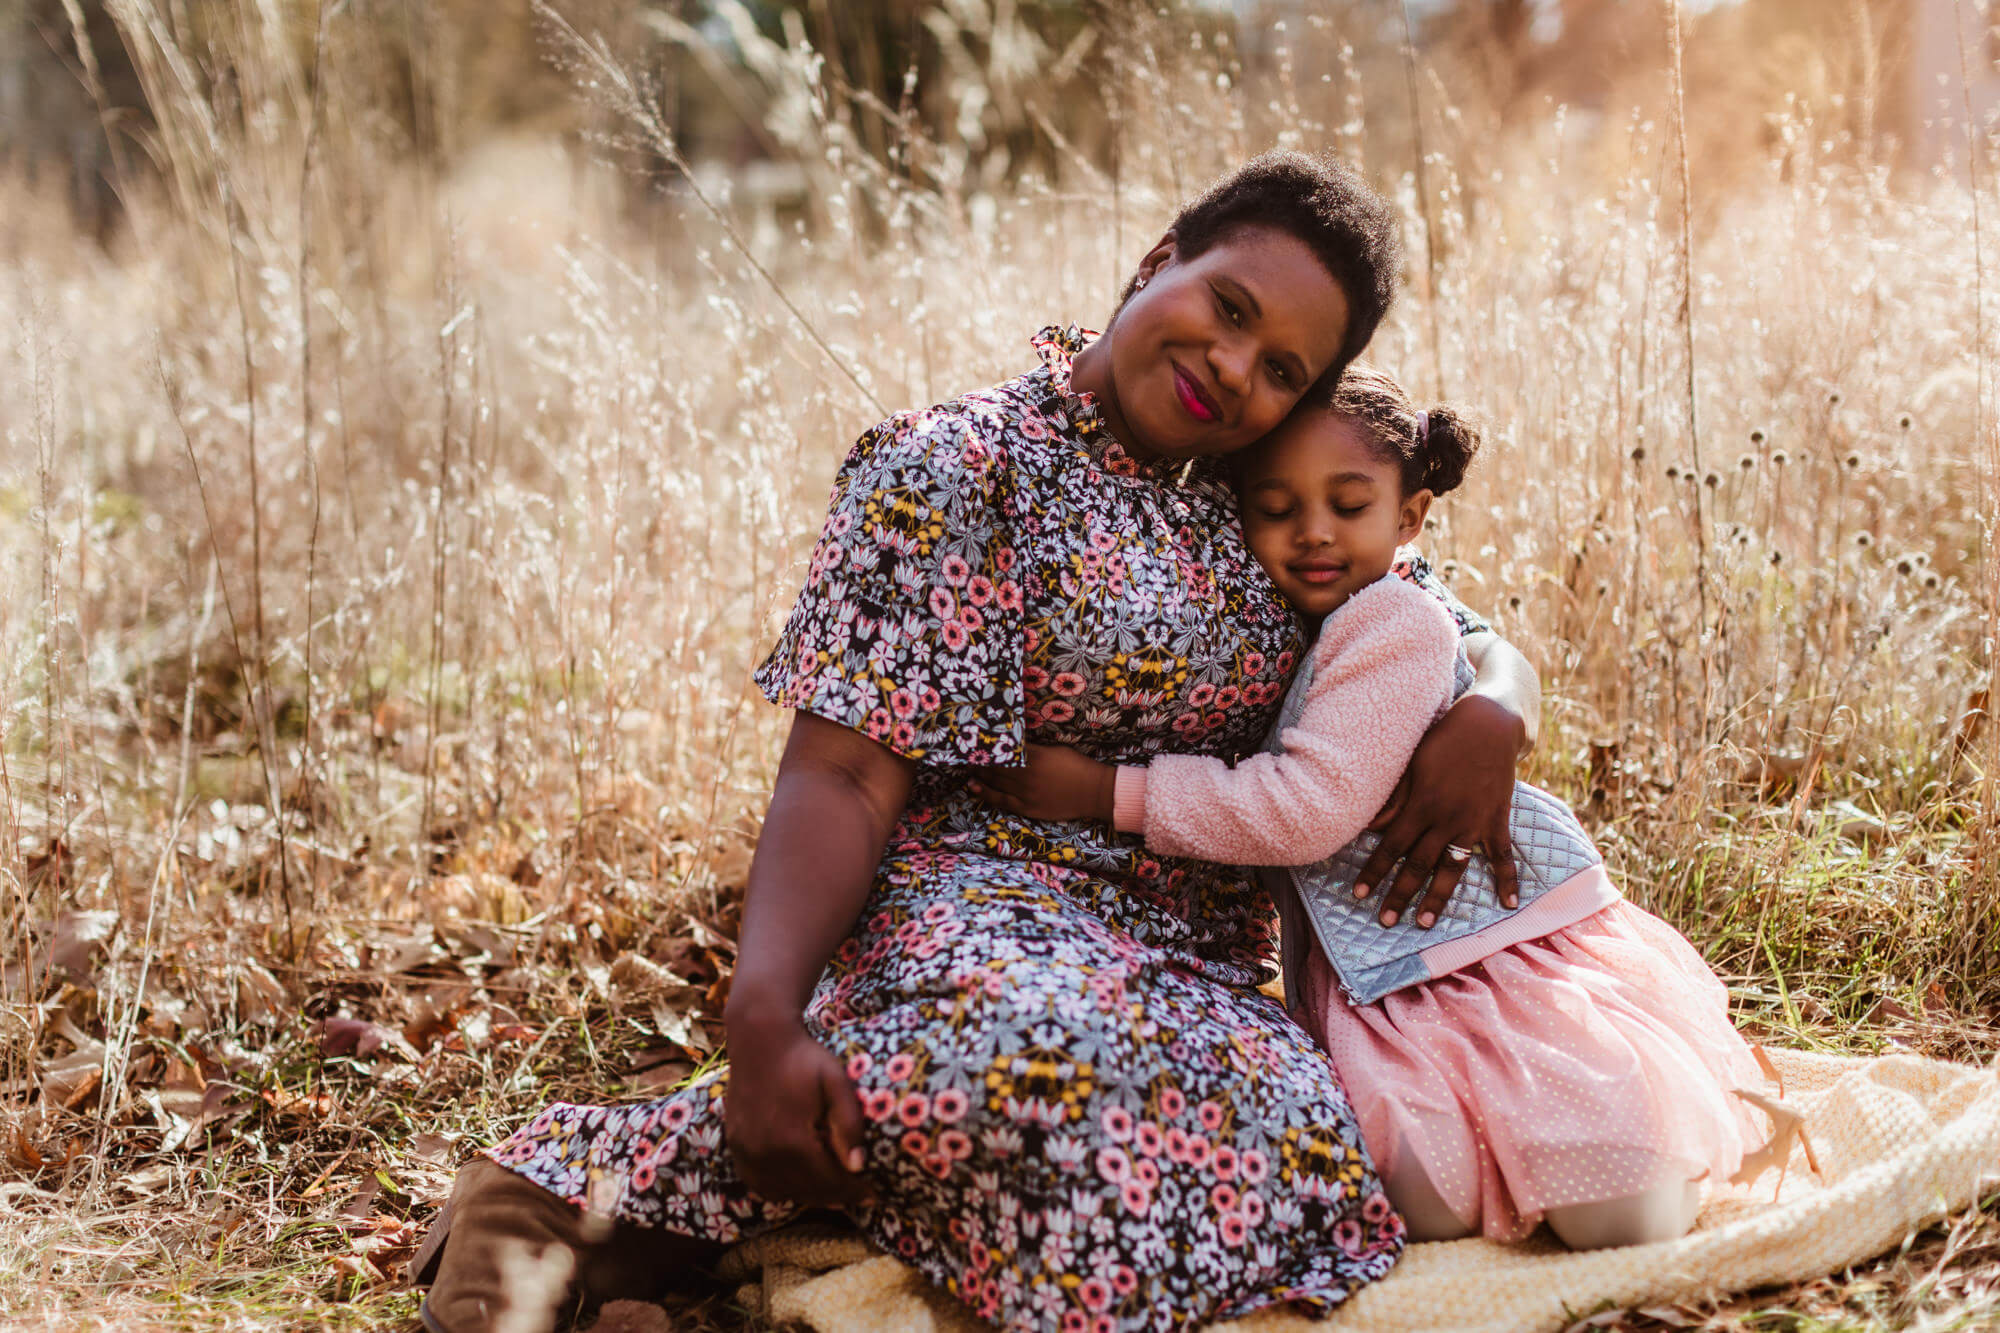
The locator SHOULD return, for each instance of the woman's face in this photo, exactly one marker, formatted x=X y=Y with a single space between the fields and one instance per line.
x=1213 y=351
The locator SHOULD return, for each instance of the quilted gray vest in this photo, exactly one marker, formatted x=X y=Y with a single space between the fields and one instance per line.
x=1561 y=881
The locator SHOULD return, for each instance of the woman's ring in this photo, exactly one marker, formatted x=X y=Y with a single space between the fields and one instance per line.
x=1456 y=854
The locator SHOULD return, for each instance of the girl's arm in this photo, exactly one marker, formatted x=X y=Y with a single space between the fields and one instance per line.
x=1382 y=669
x=792 y=1118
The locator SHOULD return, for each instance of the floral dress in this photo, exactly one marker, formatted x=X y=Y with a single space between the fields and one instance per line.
x=1082 y=1114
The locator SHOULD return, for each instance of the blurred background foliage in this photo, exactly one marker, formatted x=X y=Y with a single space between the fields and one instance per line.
x=987 y=89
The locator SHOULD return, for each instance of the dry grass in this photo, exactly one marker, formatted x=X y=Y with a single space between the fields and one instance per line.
x=390 y=535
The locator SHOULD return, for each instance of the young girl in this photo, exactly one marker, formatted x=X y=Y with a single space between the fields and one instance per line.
x=1582 y=1075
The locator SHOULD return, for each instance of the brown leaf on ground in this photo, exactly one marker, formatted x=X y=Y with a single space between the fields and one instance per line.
x=660 y=1070
x=360 y=1038
x=69 y=1080
x=434 y=1149
x=1889 y=1010
x=289 y=1105
x=80 y=939
x=260 y=996
x=638 y=980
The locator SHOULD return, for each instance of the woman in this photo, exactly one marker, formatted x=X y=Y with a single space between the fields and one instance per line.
x=1029 y=1059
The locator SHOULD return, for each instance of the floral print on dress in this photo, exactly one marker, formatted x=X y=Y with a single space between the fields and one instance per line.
x=1082 y=1114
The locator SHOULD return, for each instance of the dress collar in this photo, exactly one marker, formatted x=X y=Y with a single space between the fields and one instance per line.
x=1058 y=346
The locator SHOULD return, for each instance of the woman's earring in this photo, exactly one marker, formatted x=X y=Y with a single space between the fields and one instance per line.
x=1140 y=285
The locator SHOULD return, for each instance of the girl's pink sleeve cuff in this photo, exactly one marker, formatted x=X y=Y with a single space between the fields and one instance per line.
x=1128 y=799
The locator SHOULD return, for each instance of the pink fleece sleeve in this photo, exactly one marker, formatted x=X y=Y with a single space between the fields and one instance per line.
x=1382 y=670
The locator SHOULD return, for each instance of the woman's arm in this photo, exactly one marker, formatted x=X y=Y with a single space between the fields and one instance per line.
x=793 y=1120
x=1459 y=787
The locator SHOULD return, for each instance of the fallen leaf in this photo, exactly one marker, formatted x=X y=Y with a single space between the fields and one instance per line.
x=1889 y=1010
x=433 y=1148
x=80 y=938
x=635 y=979
x=362 y=1202
x=662 y=1078
x=708 y=938
x=392 y=957
x=67 y=1080
x=260 y=997
x=290 y=1105
x=360 y=1038
x=89 y=1081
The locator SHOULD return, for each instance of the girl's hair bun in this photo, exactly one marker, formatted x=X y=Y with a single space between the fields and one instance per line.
x=1431 y=449
x=1447 y=449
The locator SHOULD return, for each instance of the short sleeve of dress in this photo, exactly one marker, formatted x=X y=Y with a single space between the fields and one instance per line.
x=909 y=627
x=1417 y=570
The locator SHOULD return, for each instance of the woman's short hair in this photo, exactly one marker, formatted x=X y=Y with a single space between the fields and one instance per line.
x=1352 y=230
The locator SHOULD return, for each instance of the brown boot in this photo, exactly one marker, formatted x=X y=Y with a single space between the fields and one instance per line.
x=505 y=1254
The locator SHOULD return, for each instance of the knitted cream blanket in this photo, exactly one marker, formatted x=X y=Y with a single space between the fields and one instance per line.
x=1900 y=1141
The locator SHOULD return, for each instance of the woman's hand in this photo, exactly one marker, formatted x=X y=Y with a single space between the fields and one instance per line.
x=1458 y=790
x=793 y=1121
x=792 y=1118
x=1058 y=784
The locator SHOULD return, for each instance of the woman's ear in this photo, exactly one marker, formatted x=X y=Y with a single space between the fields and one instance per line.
x=1410 y=521
x=1156 y=257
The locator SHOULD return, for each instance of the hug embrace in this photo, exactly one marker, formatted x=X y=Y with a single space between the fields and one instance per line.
x=998 y=994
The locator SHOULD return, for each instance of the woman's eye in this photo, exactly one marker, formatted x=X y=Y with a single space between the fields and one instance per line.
x=1229 y=310
x=1273 y=514
x=1350 y=511
x=1284 y=376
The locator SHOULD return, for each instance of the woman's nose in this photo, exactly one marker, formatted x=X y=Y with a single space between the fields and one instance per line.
x=1231 y=359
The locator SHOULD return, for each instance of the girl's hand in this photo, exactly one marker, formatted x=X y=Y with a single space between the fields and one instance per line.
x=1458 y=790
x=1058 y=784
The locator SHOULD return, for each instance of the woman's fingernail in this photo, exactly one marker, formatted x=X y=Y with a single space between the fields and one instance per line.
x=855 y=1159
x=1361 y=890
x=1427 y=920
x=1388 y=918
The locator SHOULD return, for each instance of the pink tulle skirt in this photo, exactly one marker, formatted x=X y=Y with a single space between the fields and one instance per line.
x=1591 y=1064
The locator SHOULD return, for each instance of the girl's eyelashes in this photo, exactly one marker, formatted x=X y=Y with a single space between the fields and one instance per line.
x=1273 y=515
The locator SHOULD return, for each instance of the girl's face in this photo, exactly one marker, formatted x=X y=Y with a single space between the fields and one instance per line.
x=1214 y=350
x=1324 y=513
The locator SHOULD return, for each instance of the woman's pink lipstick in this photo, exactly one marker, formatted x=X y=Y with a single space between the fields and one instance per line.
x=1192 y=398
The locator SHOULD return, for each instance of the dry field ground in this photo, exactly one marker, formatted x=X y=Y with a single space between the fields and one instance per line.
x=387 y=538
